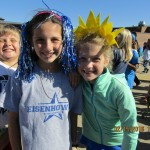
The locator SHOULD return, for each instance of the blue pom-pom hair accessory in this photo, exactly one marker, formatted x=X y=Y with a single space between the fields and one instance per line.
x=68 y=58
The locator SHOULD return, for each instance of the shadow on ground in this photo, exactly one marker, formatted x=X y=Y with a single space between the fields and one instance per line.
x=143 y=146
x=143 y=115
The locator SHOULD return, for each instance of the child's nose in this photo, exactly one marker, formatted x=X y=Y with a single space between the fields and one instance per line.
x=7 y=42
x=49 y=45
x=89 y=64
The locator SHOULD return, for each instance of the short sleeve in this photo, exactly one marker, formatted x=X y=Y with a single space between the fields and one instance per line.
x=135 y=58
x=11 y=95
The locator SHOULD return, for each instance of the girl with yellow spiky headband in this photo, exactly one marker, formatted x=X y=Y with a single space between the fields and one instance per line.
x=109 y=112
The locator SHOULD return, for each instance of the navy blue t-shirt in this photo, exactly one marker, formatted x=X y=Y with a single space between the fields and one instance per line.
x=119 y=65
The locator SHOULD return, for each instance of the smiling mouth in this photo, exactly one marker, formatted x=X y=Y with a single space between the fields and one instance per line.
x=88 y=71
x=48 y=54
x=8 y=50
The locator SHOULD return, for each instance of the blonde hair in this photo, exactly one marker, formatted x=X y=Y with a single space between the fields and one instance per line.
x=9 y=29
x=98 y=40
x=124 y=40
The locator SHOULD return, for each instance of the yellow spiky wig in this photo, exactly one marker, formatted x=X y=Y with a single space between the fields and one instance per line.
x=93 y=26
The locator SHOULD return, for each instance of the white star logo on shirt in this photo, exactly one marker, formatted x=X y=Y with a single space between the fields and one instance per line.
x=57 y=108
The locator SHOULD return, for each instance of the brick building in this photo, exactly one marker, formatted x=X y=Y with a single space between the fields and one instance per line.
x=142 y=32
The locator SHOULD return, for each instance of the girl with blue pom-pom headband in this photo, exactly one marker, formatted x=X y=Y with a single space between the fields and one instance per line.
x=64 y=45
x=39 y=96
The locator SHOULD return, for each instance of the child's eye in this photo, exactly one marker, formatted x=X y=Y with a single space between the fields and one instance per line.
x=39 y=40
x=96 y=59
x=1 y=40
x=13 y=40
x=55 y=41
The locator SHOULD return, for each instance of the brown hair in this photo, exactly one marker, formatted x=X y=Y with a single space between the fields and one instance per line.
x=37 y=20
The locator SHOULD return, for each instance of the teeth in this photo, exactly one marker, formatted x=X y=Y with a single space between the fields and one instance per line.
x=87 y=70
x=7 y=49
x=50 y=53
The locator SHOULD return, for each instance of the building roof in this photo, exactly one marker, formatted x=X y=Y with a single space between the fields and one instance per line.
x=17 y=24
x=142 y=29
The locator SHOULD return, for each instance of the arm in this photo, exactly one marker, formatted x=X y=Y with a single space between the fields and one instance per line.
x=4 y=140
x=134 y=62
x=128 y=117
x=133 y=67
x=76 y=108
x=73 y=120
x=14 y=130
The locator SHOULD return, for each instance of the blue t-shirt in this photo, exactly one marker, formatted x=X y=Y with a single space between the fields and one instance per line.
x=119 y=65
x=5 y=73
x=130 y=74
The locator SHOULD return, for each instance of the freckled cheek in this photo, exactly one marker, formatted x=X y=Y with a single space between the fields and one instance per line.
x=37 y=46
x=80 y=70
x=81 y=66
x=17 y=46
x=57 y=51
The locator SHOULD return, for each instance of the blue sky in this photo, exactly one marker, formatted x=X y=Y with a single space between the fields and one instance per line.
x=123 y=13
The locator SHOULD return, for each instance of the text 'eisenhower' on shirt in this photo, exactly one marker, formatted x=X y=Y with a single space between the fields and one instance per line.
x=53 y=108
